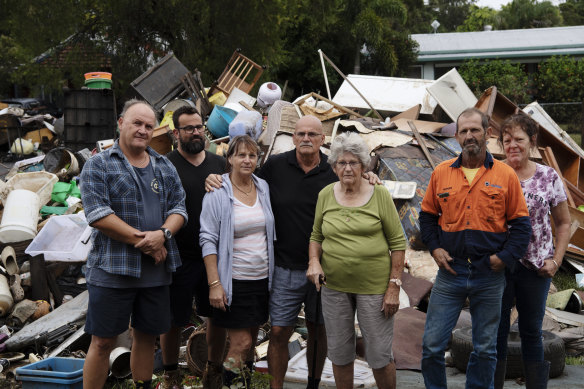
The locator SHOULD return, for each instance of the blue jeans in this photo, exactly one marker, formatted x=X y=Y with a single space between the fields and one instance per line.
x=484 y=291
x=530 y=292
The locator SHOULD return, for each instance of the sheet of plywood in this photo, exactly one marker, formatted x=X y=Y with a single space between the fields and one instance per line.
x=424 y=127
x=386 y=93
x=378 y=139
x=452 y=93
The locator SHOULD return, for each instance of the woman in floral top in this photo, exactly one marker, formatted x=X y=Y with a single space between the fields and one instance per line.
x=528 y=285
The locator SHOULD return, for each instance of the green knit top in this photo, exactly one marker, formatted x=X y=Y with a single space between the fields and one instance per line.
x=356 y=241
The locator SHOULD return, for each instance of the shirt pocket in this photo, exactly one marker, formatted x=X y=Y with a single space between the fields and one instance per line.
x=492 y=204
x=120 y=185
x=450 y=205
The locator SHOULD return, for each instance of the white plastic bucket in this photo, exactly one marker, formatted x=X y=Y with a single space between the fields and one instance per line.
x=20 y=218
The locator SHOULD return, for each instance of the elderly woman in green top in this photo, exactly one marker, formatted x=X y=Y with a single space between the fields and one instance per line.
x=357 y=242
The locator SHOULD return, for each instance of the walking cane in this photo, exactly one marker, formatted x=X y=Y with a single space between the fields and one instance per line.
x=321 y=280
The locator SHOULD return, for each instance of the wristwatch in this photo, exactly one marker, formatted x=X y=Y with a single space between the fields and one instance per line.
x=167 y=233
x=397 y=281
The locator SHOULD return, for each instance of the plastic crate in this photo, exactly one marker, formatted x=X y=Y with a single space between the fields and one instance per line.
x=33 y=382
x=89 y=116
x=53 y=368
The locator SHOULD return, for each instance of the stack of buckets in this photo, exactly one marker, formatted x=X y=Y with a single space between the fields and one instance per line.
x=98 y=80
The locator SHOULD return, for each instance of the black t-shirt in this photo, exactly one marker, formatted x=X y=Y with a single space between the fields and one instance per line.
x=293 y=194
x=193 y=181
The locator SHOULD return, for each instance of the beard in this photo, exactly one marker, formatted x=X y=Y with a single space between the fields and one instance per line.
x=472 y=147
x=193 y=146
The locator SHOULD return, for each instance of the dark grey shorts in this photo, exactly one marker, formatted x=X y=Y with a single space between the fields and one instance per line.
x=110 y=310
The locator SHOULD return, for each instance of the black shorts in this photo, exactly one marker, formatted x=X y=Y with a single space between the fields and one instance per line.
x=110 y=309
x=249 y=305
x=189 y=280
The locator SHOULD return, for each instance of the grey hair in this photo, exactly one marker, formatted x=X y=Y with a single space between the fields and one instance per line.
x=350 y=142
x=130 y=103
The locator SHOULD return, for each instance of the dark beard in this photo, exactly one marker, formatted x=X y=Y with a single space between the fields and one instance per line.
x=195 y=146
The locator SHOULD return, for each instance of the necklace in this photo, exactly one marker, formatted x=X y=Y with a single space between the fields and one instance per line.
x=241 y=190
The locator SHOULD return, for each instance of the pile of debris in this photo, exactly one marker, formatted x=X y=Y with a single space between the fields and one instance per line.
x=408 y=125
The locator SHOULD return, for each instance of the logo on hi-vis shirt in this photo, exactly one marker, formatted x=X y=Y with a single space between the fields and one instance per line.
x=154 y=185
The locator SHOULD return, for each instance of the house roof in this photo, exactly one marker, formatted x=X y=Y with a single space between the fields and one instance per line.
x=535 y=42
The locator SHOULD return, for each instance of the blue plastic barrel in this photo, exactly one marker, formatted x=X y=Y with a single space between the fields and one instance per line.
x=219 y=120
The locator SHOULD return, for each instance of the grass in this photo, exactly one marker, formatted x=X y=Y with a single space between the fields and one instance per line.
x=577 y=361
x=563 y=281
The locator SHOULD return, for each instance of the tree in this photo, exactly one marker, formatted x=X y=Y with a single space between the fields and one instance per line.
x=521 y=14
x=377 y=34
x=572 y=12
x=509 y=78
x=450 y=13
x=478 y=18
x=419 y=18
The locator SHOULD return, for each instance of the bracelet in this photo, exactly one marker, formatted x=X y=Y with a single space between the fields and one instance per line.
x=212 y=284
x=555 y=263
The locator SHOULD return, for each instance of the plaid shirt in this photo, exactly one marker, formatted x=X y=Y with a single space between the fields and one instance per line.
x=109 y=186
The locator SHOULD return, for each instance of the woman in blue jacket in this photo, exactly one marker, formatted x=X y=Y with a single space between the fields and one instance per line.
x=237 y=236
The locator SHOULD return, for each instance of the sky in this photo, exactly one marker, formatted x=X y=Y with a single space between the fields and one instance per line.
x=496 y=4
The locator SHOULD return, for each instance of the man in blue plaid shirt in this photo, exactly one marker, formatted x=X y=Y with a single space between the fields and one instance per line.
x=134 y=199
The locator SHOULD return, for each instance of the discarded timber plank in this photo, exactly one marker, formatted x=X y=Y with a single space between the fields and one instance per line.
x=409 y=114
x=422 y=144
x=350 y=83
x=551 y=160
x=336 y=105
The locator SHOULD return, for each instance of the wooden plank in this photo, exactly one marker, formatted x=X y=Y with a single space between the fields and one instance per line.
x=423 y=126
x=350 y=83
x=551 y=160
x=569 y=318
x=409 y=114
x=422 y=144
x=337 y=106
x=576 y=193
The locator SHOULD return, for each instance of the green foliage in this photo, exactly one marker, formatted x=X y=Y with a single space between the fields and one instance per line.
x=419 y=16
x=379 y=26
x=572 y=12
x=577 y=361
x=257 y=380
x=450 y=13
x=563 y=280
x=559 y=79
x=509 y=78
x=478 y=18
x=529 y=14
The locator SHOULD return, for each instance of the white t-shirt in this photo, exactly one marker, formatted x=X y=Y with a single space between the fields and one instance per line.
x=250 y=244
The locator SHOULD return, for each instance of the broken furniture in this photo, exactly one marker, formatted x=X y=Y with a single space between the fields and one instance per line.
x=240 y=72
x=162 y=82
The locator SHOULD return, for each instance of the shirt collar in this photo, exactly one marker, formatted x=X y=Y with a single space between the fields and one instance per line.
x=116 y=149
x=322 y=166
x=488 y=161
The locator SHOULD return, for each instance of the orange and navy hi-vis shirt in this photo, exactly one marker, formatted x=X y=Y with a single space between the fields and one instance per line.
x=473 y=221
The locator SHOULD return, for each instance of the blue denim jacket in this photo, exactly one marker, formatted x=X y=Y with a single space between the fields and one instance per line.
x=217 y=229
x=109 y=186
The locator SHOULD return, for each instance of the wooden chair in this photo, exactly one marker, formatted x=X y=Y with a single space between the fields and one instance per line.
x=240 y=72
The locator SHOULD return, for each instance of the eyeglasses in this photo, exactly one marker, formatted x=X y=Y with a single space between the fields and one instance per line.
x=352 y=164
x=192 y=129
x=310 y=134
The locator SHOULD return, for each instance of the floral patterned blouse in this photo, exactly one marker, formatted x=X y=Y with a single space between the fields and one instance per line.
x=543 y=191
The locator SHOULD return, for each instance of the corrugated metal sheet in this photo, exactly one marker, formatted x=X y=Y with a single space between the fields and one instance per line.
x=535 y=42
x=386 y=93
